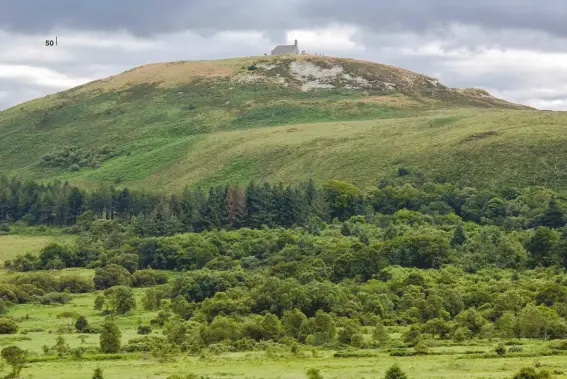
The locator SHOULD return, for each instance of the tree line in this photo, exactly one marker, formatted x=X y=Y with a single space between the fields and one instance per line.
x=276 y=205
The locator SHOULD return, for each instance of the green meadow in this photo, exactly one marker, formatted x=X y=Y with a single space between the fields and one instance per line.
x=452 y=360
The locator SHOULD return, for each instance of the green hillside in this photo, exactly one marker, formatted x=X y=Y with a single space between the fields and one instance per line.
x=163 y=126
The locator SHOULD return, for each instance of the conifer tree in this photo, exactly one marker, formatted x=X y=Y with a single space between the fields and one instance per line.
x=459 y=236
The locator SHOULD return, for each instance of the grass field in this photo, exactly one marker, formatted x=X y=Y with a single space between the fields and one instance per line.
x=13 y=245
x=251 y=366
x=254 y=365
x=217 y=122
x=39 y=326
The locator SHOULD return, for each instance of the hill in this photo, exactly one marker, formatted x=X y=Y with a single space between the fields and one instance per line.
x=162 y=126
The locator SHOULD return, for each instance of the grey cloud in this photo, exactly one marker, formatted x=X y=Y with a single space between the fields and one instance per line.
x=150 y=17
x=435 y=15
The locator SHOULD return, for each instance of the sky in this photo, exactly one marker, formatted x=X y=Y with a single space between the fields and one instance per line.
x=516 y=49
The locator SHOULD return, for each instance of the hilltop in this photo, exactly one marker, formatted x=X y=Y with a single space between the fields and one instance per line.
x=162 y=126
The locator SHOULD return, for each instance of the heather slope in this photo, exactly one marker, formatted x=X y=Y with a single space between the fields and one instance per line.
x=165 y=125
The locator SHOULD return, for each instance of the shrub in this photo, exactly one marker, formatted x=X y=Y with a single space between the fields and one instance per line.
x=558 y=345
x=110 y=338
x=314 y=373
x=75 y=284
x=245 y=344
x=55 y=298
x=137 y=347
x=122 y=299
x=515 y=349
x=8 y=326
x=147 y=278
x=110 y=276
x=380 y=334
x=421 y=348
x=97 y=374
x=81 y=324
x=42 y=280
x=357 y=340
x=531 y=373
x=16 y=358
x=500 y=349
x=395 y=372
x=99 y=303
x=144 y=329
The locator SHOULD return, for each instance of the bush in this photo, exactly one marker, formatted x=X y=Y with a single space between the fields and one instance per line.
x=558 y=345
x=314 y=373
x=500 y=349
x=110 y=338
x=81 y=324
x=148 y=278
x=75 y=284
x=55 y=298
x=97 y=374
x=110 y=276
x=137 y=347
x=421 y=348
x=16 y=358
x=245 y=344
x=8 y=326
x=357 y=340
x=395 y=372
x=531 y=373
x=144 y=329
x=42 y=280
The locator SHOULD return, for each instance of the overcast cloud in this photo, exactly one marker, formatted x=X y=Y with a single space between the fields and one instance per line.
x=516 y=49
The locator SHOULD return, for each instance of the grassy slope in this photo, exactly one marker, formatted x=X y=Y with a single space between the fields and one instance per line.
x=215 y=122
x=489 y=147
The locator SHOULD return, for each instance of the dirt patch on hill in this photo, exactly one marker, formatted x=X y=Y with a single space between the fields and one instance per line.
x=165 y=74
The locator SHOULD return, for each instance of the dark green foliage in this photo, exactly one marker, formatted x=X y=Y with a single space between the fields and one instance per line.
x=553 y=217
x=144 y=329
x=395 y=372
x=148 y=278
x=540 y=246
x=314 y=373
x=97 y=374
x=152 y=299
x=500 y=349
x=99 y=302
x=16 y=358
x=54 y=298
x=531 y=373
x=73 y=156
x=459 y=236
x=81 y=324
x=61 y=346
x=75 y=284
x=110 y=338
x=110 y=276
x=121 y=299
x=8 y=326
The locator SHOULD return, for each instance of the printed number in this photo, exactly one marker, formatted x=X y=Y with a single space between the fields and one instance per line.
x=49 y=42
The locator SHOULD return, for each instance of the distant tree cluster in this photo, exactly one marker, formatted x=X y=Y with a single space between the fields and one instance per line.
x=74 y=158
